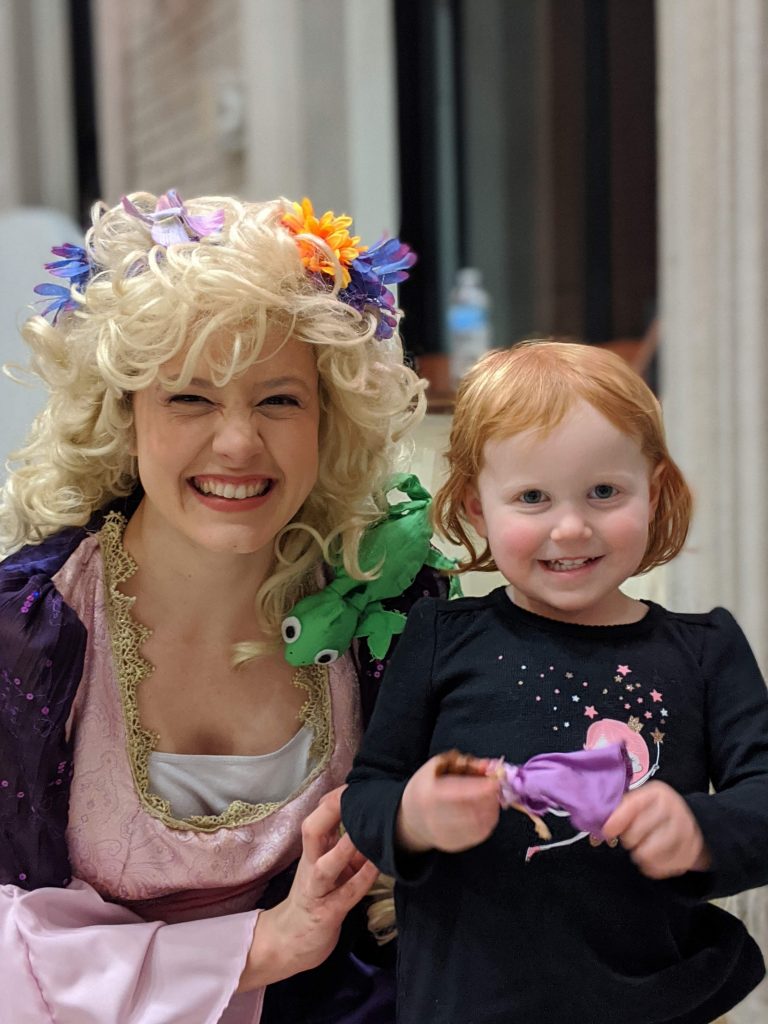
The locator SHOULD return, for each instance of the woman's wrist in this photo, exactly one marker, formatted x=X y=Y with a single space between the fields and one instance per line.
x=267 y=960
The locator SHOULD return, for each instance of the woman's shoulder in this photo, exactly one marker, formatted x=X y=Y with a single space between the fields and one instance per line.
x=42 y=559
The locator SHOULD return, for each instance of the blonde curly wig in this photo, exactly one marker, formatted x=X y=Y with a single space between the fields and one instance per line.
x=145 y=304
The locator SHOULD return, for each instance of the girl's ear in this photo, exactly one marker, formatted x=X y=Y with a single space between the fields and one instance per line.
x=654 y=489
x=473 y=509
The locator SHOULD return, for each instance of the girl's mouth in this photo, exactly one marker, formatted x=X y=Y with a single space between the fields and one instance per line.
x=568 y=564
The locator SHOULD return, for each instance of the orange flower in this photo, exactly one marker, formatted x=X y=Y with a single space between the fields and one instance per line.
x=332 y=230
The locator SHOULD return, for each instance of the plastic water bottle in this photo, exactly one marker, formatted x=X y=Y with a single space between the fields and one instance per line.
x=469 y=328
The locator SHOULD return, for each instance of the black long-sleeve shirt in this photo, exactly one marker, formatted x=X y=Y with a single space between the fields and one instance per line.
x=564 y=933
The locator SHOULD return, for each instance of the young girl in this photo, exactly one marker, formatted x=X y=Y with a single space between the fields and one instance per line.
x=558 y=462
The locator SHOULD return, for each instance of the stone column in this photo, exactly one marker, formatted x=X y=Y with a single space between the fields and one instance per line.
x=713 y=106
x=713 y=143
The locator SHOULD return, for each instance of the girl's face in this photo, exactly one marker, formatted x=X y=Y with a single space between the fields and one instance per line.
x=566 y=516
x=227 y=467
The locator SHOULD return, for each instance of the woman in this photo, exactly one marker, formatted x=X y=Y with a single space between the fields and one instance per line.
x=227 y=396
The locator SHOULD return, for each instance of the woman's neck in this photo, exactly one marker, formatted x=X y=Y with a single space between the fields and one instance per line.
x=182 y=581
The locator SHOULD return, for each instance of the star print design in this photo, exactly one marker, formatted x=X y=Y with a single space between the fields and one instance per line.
x=638 y=704
x=630 y=712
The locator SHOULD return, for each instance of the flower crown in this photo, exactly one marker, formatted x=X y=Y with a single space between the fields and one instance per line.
x=326 y=248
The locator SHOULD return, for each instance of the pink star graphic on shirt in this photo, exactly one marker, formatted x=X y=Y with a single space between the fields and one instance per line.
x=623 y=670
x=656 y=696
x=589 y=711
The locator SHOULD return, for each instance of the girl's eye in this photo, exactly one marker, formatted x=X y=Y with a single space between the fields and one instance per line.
x=532 y=497
x=603 y=491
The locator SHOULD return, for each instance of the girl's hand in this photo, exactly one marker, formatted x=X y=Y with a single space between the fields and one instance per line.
x=658 y=828
x=446 y=812
x=331 y=877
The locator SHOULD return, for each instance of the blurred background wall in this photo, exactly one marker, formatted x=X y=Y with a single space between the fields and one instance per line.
x=602 y=162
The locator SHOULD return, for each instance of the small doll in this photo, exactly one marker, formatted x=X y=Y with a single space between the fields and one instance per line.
x=585 y=784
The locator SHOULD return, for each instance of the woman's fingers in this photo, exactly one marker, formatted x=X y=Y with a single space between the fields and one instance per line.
x=320 y=829
x=354 y=888
x=338 y=865
x=331 y=860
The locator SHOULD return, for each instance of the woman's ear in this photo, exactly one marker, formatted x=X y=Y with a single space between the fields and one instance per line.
x=473 y=509
x=654 y=489
x=133 y=445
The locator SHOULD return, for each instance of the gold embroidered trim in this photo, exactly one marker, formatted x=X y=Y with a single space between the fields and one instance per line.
x=132 y=668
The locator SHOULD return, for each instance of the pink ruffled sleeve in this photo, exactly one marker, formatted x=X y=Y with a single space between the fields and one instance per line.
x=69 y=957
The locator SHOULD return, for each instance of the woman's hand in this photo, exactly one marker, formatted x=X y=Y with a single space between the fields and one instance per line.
x=446 y=812
x=658 y=828
x=331 y=877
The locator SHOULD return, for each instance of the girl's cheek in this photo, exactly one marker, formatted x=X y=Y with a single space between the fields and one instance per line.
x=522 y=538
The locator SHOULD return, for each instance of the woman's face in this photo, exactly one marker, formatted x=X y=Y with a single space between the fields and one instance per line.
x=227 y=467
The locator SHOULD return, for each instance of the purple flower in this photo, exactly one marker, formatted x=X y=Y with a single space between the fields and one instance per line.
x=387 y=262
x=171 y=223
x=75 y=267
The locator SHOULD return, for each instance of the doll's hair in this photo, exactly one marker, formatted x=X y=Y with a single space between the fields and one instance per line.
x=142 y=303
x=534 y=385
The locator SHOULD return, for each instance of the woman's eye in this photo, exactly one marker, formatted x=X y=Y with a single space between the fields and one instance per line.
x=603 y=491
x=532 y=497
x=280 y=400
x=187 y=400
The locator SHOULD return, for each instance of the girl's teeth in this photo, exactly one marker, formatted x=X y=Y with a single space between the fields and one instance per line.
x=563 y=564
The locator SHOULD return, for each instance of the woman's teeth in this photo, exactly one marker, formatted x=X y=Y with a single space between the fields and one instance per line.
x=236 y=491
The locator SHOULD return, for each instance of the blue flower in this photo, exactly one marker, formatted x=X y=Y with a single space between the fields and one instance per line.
x=76 y=268
x=387 y=262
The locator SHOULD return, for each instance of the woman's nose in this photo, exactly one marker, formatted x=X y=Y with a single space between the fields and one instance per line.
x=571 y=526
x=238 y=436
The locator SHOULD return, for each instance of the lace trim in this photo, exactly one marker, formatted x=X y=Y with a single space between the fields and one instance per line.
x=128 y=636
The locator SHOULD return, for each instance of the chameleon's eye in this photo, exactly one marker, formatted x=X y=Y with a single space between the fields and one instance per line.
x=291 y=629
x=326 y=657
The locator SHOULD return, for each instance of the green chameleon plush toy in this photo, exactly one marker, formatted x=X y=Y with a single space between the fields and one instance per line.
x=322 y=626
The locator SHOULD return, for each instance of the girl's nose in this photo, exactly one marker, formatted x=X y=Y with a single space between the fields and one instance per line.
x=238 y=436
x=571 y=526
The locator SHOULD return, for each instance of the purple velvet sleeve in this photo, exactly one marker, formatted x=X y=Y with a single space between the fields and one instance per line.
x=587 y=784
x=42 y=645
